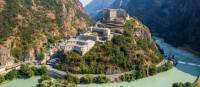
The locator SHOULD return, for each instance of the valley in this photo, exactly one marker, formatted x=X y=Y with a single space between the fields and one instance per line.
x=177 y=21
x=90 y=43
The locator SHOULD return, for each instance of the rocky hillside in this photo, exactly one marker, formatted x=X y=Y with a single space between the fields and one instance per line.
x=178 y=21
x=131 y=50
x=28 y=27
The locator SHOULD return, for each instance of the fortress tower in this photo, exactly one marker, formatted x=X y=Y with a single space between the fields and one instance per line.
x=114 y=15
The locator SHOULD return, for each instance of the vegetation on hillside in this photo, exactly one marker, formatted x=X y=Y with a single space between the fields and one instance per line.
x=35 y=24
x=187 y=84
x=25 y=71
x=46 y=81
x=123 y=53
x=151 y=71
x=86 y=79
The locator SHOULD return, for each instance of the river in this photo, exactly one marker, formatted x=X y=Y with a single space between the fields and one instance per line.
x=186 y=71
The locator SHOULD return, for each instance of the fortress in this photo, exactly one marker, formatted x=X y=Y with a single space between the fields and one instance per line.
x=100 y=33
x=115 y=15
x=84 y=42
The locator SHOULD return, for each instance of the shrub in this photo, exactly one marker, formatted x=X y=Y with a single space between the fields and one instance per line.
x=11 y=75
x=72 y=79
x=101 y=79
x=87 y=79
x=128 y=77
x=187 y=84
x=2 y=79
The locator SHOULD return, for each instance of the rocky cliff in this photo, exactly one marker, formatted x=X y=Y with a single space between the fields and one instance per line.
x=178 y=21
x=29 y=27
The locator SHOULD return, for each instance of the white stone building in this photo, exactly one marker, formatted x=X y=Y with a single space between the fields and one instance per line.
x=104 y=33
x=89 y=36
x=81 y=46
x=115 y=15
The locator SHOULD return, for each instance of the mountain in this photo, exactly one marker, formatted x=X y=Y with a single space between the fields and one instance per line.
x=28 y=27
x=177 y=21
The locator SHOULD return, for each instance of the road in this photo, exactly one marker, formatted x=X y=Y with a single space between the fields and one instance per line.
x=61 y=74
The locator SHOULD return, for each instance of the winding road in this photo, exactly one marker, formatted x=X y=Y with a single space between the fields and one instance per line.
x=171 y=51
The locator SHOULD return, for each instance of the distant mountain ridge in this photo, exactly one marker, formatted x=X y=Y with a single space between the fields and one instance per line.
x=178 y=21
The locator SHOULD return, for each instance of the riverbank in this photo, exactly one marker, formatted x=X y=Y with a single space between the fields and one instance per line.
x=165 y=79
x=180 y=73
x=112 y=78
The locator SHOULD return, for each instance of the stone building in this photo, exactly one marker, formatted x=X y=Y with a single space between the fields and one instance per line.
x=115 y=15
x=89 y=36
x=103 y=33
x=81 y=46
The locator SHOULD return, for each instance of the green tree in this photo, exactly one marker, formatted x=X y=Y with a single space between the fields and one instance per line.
x=152 y=70
x=24 y=70
x=101 y=79
x=35 y=70
x=44 y=77
x=2 y=79
x=72 y=79
x=40 y=56
x=16 y=52
x=187 y=84
x=45 y=81
x=30 y=73
x=11 y=75
x=87 y=79
x=43 y=70
x=128 y=77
